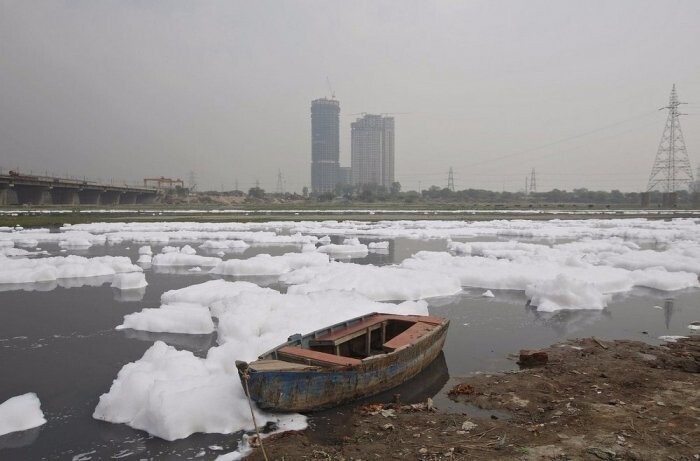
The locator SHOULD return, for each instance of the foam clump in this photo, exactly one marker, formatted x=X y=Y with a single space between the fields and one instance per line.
x=566 y=293
x=356 y=250
x=144 y=259
x=129 y=281
x=185 y=256
x=383 y=283
x=33 y=270
x=384 y=245
x=230 y=245
x=146 y=250
x=20 y=413
x=209 y=292
x=264 y=264
x=172 y=394
x=184 y=318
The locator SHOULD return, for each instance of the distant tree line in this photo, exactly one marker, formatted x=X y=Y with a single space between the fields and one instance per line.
x=369 y=193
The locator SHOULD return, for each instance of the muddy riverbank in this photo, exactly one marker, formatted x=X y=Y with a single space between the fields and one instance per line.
x=593 y=400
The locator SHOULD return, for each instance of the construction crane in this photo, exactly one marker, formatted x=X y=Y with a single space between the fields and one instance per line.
x=330 y=88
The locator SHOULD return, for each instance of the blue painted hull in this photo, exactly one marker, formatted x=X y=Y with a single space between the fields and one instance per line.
x=322 y=387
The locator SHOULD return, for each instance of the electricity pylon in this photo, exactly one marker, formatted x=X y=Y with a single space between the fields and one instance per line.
x=533 y=182
x=671 y=166
x=451 y=180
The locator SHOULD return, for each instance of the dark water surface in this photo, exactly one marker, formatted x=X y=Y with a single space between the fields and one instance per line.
x=61 y=344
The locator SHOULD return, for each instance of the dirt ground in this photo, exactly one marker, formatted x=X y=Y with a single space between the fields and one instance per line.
x=593 y=400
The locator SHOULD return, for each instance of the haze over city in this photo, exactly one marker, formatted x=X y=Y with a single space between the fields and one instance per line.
x=128 y=90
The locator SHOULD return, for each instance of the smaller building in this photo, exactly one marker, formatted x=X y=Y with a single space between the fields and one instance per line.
x=372 y=150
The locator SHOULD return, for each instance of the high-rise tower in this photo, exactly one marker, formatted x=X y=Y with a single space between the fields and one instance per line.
x=372 y=150
x=325 y=144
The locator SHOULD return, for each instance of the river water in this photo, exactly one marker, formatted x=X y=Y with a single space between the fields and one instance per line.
x=60 y=342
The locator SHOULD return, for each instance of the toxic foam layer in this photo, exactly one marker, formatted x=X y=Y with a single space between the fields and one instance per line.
x=172 y=394
x=379 y=283
x=32 y=270
x=264 y=264
x=20 y=413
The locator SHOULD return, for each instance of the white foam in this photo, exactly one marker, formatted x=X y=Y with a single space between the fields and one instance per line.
x=565 y=293
x=32 y=270
x=378 y=283
x=175 y=258
x=230 y=245
x=146 y=250
x=172 y=394
x=171 y=318
x=671 y=338
x=129 y=281
x=358 y=250
x=20 y=413
x=144 y=259
x=209 y=292
x=264 y=264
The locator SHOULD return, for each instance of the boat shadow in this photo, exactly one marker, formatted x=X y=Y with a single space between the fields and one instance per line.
x=328 y=425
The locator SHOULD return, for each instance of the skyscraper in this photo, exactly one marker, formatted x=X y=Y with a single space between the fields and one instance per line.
x=372 y=150
x=325 y=144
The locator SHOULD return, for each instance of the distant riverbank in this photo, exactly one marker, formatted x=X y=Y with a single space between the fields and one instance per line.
x=55 y=216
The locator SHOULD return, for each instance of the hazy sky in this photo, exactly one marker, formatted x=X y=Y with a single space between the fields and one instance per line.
x=126 y=89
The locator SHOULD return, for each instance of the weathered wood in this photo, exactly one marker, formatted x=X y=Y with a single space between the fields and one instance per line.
x=408 y=337
x=293 y=352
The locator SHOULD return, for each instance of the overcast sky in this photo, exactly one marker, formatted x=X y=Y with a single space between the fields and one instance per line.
x=130 y=89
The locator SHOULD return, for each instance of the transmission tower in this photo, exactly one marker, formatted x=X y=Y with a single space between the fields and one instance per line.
x=193 y=181
x=451 y=180
x=533 y=182
x=280 y=183
x=671 y=166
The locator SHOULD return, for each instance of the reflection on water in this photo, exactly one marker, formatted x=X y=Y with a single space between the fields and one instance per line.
x=129 y=296
x=567 y=322
x=20 y=439
x=669 y=307
x=194 y=343
x=330 y=424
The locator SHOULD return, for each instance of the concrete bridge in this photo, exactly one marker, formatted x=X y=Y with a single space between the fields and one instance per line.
x=21 y=189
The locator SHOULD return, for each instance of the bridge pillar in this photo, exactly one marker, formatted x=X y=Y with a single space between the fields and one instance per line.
x=146 y=197
x=33 y=195
x=89 y=196
x=65 y=196
x=8 y=196
x=128 y=198
x=110 y=197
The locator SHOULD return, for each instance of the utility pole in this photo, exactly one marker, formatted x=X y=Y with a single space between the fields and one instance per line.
x=451 y=180
x=671 y=167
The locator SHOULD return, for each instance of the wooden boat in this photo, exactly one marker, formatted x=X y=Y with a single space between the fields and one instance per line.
x=353 y=359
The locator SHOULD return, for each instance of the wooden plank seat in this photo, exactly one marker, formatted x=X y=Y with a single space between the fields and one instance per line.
x=342 y=334
x=410 y=336
x=309 y=356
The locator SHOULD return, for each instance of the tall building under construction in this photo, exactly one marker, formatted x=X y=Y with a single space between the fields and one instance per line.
x=372 y=150
x=325 y=144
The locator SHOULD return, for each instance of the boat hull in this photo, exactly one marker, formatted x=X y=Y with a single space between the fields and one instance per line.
x=319 y=388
